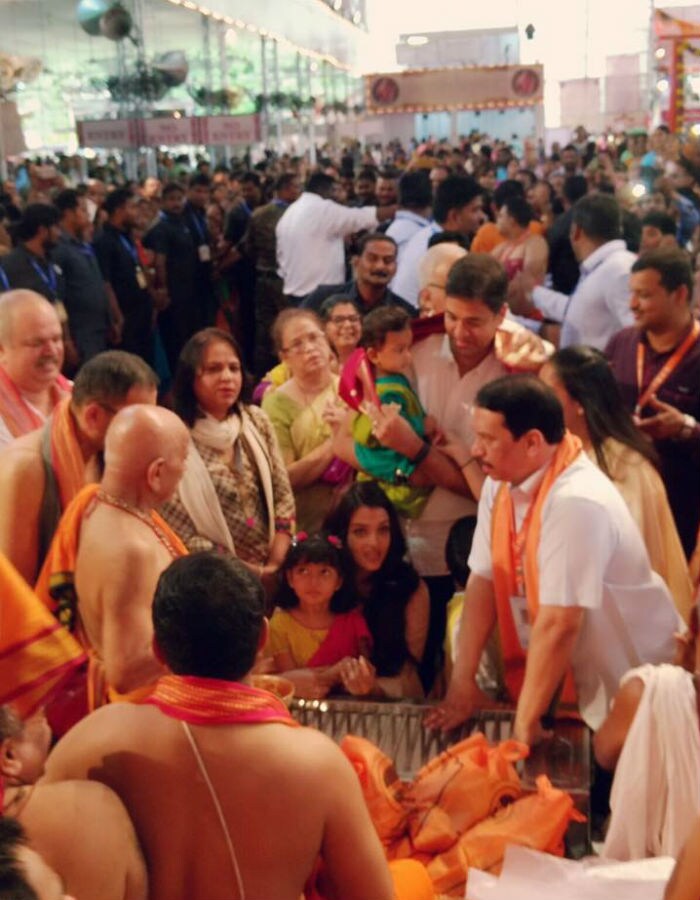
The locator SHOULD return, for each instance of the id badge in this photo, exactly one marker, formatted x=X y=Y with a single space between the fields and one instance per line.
x=204 y=251
x=141 y=278
x=521 y=620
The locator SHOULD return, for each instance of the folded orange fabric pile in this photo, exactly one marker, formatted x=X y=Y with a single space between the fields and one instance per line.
x=461 y=809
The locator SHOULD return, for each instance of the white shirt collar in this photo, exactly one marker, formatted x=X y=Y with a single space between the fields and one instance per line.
x=600 y=254
x=526 y=490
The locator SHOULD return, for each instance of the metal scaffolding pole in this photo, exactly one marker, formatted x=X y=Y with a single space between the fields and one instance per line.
x=312 y=138
x=223 y=75
x=264 y=110
x=278 y=109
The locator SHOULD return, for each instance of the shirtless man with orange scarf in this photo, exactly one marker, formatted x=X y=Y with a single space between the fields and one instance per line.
x=42 y=471
x=229 y=798
x=110 y=547
x=557 y=563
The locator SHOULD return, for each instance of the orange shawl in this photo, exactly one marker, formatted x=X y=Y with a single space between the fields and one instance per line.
x=503 y=561
x=55 y=587
x=212 y=701
x=37 y=655
x=66 y=457
x=17 y=414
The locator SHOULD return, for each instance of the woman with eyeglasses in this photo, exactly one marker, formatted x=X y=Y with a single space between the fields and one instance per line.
x=342 y=320
x=301 y=411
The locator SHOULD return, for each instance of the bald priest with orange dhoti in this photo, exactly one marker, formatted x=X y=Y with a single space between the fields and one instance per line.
x=110 y=547
x=557 y=564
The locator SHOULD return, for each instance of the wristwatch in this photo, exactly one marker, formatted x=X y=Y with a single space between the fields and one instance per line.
x=689 y=426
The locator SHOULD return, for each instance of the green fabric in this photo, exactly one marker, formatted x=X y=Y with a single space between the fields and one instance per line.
x=383 y=464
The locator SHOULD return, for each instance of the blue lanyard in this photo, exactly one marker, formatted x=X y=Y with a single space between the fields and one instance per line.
x=86 y=249
x=199 y=226
x=48 y=277
x=130 y=248
x=281 y=203
x=3 y=280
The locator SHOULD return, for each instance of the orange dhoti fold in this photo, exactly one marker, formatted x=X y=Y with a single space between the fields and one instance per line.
x=55 y=588
x=460 y=811
x=37 y=655
x=505 y=582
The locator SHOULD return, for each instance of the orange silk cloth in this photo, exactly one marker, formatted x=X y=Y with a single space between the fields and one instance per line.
x=17 y=414
x=66 y=457
x=488 y=237
x=213 y=701
x=55 y=587
x=37 y=655
x=504 y=566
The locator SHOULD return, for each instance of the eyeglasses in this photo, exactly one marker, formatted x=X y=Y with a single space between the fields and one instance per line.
x=301 y=345
x=352 y=319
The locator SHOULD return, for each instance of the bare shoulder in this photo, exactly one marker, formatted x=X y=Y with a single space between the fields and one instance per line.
x=312 y=755
x=78 y=803
x=21 y=458
x=108 y=730
x=112 y=539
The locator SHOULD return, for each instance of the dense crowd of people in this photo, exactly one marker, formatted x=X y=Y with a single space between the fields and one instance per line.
x=433 y=412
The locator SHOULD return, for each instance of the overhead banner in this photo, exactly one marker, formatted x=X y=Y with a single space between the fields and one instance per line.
x=437 y=90
x=123 y=134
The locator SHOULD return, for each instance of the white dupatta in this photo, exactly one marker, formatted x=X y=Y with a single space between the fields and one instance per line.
x=197 y=491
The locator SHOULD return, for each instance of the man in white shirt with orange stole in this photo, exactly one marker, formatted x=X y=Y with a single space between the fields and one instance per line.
x=557 y=563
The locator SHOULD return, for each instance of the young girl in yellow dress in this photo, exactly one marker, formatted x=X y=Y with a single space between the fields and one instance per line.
x=314 y=626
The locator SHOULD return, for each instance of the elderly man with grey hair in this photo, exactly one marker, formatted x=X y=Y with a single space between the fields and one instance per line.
x=432 y=276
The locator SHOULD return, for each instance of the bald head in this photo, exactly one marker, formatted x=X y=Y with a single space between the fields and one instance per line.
x=145 y=451
x=432 y=276
x=437 y=262
x=17 y=306
x=31 y=341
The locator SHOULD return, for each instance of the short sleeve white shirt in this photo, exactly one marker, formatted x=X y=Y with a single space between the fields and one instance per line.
x=591 y=555
x=404 y=225
x=406 y=282
x=310 y=249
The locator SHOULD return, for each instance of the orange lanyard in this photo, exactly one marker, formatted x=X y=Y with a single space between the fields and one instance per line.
x=668 y=367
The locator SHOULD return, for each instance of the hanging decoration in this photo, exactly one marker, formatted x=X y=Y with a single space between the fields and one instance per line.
x=173 y=66
x=89 y=14
x=223 y=99
x=145 y=83
x=116 y=23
